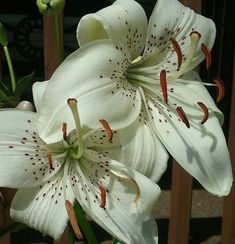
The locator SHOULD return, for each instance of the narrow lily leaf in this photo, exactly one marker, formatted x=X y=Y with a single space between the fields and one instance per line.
x=6 y=102
x=71 y=235
x=116 y=241
x=3 y=36
x=5 y=89
x=22 y=85
x=2 y=94
x=85 y=226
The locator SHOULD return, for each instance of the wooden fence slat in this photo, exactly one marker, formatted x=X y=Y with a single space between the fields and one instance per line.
x=181 y=187
x=50 y=64
x=181 y=198
x=228 y=225
x=50 y=52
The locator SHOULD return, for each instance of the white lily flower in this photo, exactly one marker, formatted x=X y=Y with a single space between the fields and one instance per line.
x=125 y=68
x=78 y=166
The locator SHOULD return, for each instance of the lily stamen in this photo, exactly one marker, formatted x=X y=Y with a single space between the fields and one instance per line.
x=72 y=102
x=107 y=129
x=49 y=157
x=207 y=55
x=127 y=179
x=64 y=130
x=183 y=116
x=178 y=51
x=205 y=110
x=73 y=219
x=221 y=89
x=195 y=37
x=163 y=85
x=102 y=196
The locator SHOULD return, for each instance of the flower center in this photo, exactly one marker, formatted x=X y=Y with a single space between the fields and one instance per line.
x=76 y=147
x=140 y=74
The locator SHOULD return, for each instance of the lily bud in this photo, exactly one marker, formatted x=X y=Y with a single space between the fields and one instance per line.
x=50 y=7
x=3 y=36
x=25 y=105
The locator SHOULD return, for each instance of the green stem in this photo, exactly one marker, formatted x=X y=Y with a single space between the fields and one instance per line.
x=58 y=34
x=12 y=227
x=71 y=235
x=10 y=67
x=84 y=224
x=116 y=241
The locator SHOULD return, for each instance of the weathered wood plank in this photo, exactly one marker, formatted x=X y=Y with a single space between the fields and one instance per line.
x=181 y=187
x=228 y=225
x=181 y=197
x=50 y=52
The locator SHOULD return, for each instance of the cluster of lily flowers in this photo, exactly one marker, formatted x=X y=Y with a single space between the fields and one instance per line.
x=107 y=117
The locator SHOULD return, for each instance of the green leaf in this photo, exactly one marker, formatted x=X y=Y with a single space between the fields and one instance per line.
x=116 y=241
x=8 y=102
x=22 y=84
x=84 y=224
x=5 y=89
x=3 y=36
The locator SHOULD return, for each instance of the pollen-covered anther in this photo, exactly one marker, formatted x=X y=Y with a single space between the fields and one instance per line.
x=134 y=183
x=49 y=157
x=102 y=196
x=205 y=110
x=183 y=116
x=207 y=55
x=107 y=128
x=178 y=51
x=72 y=101
x=73 y=219
x=163 y=85
x=221 y=89
x=195 y=35
x=64 y=130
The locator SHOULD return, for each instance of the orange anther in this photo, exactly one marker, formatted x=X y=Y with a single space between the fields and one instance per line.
x=163 y=85
x=102 y=196
x=49 y=157
x=207 y=55
x=183 y=116
x=64 y=130
x=107 y=128
x=221 y=89
x=73 y=219
x=205 y=110
x=178 y=51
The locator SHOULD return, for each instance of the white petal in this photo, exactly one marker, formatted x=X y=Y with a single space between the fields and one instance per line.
x=42 y=208
x=38 y=90
x=201 y=149
x=118 y=215
x=193 y=81
x=170 y=19
x=135 y=146
x=142 y=150
x=94 y=75
x=23 y=156
x=124 y=22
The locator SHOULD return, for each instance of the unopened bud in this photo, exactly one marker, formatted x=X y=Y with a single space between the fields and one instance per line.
x=3 y=36
x=25 y=105
x=50 y=7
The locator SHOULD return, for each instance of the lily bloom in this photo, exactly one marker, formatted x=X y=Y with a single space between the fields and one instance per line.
x=79 y=166
x=127 y=67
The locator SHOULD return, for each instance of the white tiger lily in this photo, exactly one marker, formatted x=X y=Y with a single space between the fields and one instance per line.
x=128 y=70
x=78 y=166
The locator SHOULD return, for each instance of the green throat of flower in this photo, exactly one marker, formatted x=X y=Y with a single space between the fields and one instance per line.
x=139 y=73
